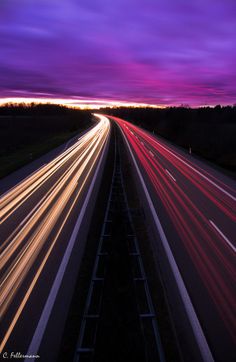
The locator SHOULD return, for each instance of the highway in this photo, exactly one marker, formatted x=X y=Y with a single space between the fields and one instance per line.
x=194 y=210
x=41 y=218
x=43 y=221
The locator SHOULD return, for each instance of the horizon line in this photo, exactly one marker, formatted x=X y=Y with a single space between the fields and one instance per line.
x=96 y=103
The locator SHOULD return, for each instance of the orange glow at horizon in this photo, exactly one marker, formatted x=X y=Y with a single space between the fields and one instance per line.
x=77 y=103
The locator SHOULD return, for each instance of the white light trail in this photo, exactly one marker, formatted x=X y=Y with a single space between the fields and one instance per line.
x=20 y=250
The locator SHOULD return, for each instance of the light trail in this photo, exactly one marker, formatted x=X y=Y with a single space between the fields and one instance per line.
x=220 y=193
x=15 y=198
x=206 y=246
x=194 y=322
x=36 y=232
x=50 y=197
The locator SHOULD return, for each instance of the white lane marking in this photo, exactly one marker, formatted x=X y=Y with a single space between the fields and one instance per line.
x=151 y=153
x=43 y=321
x=168 y=172
x=195 y=324
x=67 y=143
x=194 y=169
x=223 y=236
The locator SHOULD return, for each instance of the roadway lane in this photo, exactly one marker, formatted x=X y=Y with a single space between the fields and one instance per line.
x=197 y=212
x=39 y=218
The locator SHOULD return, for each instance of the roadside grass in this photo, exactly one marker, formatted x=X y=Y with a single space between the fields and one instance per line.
x=13 y=160
x=30 y=131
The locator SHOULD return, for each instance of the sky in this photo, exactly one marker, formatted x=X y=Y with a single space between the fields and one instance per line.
x=158 y=52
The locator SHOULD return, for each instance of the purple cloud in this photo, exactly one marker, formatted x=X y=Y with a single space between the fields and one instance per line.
x=158 y=52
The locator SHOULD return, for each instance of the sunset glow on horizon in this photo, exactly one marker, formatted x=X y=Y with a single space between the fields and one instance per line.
x=75 y=103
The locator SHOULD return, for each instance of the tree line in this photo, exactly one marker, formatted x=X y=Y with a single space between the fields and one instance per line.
x=210 y=132
x=23 y=124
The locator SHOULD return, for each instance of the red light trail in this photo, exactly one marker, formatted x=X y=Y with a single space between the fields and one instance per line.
x=174 y=178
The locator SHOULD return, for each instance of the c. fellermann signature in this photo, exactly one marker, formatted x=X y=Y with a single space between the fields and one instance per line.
x=18 y=355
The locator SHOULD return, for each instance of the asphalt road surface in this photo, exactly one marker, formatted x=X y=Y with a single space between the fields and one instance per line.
x=40 y=222
x=195 y=209
x=192 y=205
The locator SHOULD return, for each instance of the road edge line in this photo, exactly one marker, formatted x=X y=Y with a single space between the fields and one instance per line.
x=195 y=324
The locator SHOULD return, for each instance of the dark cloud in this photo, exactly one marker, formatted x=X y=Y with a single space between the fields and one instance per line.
x=167 y=51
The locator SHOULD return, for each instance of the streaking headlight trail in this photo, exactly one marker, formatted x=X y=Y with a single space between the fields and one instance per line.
x=48 y=196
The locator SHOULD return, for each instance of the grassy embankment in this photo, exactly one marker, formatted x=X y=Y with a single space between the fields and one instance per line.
x=27 y=132
x=210 y=132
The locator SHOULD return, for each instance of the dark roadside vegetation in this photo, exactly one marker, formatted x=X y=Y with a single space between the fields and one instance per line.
x=29 y=131
x=210 y=132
